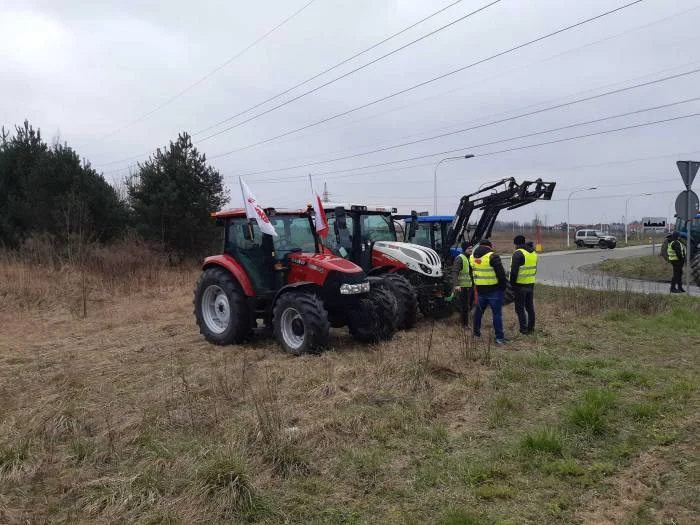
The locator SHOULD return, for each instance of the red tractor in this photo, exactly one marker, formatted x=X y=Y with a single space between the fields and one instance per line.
x=289 y=284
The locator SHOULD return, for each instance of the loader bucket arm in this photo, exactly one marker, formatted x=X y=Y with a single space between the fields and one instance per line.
x=511 y=196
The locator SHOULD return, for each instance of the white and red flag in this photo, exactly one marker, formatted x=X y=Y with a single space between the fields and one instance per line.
x=321 y=220
x=253 y=210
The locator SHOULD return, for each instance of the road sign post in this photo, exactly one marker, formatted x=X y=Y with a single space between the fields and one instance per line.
x=688 y=170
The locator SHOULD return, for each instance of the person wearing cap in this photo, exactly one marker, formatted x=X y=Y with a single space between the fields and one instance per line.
x=523 y=271
x=490 y=283
x=462 y=282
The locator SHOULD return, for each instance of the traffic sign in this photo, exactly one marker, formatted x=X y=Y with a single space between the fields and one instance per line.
x=688 y=169
x=685 y=211
x=654 y=223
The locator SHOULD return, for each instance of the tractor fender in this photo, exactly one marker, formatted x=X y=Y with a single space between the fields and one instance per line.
x=229 y=264
x=381 y=270
x=290 y=287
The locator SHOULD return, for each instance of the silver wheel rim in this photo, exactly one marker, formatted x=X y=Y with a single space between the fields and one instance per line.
x=216 y=310
x=292 y=328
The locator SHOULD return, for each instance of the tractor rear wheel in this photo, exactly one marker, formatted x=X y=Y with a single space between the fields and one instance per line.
x=220 y=308
x=374 y=319
x=406 y=300
x=300 y=323
x=695 y=268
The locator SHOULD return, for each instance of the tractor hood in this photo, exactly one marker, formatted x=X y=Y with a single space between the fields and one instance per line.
x=413 y=256
x=329 y=263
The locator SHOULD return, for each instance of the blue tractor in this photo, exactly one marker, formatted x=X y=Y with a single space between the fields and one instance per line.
x=693 y=245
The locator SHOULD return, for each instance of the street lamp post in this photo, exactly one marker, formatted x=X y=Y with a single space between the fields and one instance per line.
x=435 y=177
x=626 y=217
x=568 y=211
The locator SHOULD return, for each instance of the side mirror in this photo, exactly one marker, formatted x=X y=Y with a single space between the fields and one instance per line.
x=413 y=227
x=248 y=231
x=341 y=221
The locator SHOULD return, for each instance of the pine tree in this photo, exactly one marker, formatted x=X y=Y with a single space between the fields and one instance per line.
x=172 y=196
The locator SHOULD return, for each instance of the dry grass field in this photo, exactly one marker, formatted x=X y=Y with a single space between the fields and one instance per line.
x=114 y=410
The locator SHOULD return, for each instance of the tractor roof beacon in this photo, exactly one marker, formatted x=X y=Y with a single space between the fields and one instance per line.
x=366 y=235
x=290 y=284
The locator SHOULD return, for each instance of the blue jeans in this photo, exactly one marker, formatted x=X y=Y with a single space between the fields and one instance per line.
x=495 y=301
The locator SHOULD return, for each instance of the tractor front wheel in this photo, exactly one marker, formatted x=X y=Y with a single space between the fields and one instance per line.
x=300 y=323
x=406 y=300
x=374 y=319
x=220 y=308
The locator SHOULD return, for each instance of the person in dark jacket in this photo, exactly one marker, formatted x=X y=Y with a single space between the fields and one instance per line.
x=462 y=282
x=490 y=283
x=676 y=256
x=523 y=269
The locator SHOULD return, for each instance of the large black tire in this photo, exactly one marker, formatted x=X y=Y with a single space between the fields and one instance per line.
x=300 y=323
x=579 y=244
x=374 y=319
x=695 y=268
x=220 y=308
x=602 y=244
x=406 y=300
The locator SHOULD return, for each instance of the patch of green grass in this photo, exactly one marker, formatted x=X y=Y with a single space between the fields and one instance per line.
x=492 y=492
x=364 y=464
x=484 y=473
x=543 y=441
x=645 y=410
x=647 y=268
x=461 y=517
x=540 y=360
x=225 y=478
x=616 y=316
x=589 y=414
x=566 y=467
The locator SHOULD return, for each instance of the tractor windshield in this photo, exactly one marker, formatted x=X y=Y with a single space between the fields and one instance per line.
x=293 y=234
x=375 y=227
x=422 y=236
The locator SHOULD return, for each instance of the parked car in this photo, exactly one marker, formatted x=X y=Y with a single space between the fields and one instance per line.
x=592 y=238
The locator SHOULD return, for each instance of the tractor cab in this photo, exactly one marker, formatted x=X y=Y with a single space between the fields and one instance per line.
x=430 y=230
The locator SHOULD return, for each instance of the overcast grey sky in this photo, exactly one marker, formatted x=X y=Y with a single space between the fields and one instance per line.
x=87 y=70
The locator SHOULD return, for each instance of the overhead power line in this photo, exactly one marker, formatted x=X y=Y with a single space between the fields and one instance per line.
x=492 y=123
x=424 y=83
x=351 y=72
x=527 y=135
x=205 y=77
x=518 y=148
x=329 y=69
x=431 y=33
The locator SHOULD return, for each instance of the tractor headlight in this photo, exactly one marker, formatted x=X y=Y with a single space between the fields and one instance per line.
x=426 y=269
x=351 y=289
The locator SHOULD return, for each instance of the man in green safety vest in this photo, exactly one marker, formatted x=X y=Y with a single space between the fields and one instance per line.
x=462 y=283
x=490 y=283
x=523 y=272
x=676 y=256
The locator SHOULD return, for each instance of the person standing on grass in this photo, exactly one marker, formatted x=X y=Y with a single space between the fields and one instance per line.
x=523 y=270
x=462 y=283
x=490 y=283
x=676 y=256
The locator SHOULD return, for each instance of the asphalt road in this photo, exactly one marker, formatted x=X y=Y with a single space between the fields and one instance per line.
x=564 y=269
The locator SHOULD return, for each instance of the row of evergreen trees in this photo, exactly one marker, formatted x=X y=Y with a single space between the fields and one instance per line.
x=47 y=189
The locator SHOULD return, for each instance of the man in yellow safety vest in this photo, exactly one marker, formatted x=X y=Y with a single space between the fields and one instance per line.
x=490 y=283
x=676 y=256
x=463 y=283
x=523 y=272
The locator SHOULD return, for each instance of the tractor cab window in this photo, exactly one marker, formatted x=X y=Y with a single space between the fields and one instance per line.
x=375 y=227
x=293 y=234
x=422 y=236
x=244 y=244
x=331 y=242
